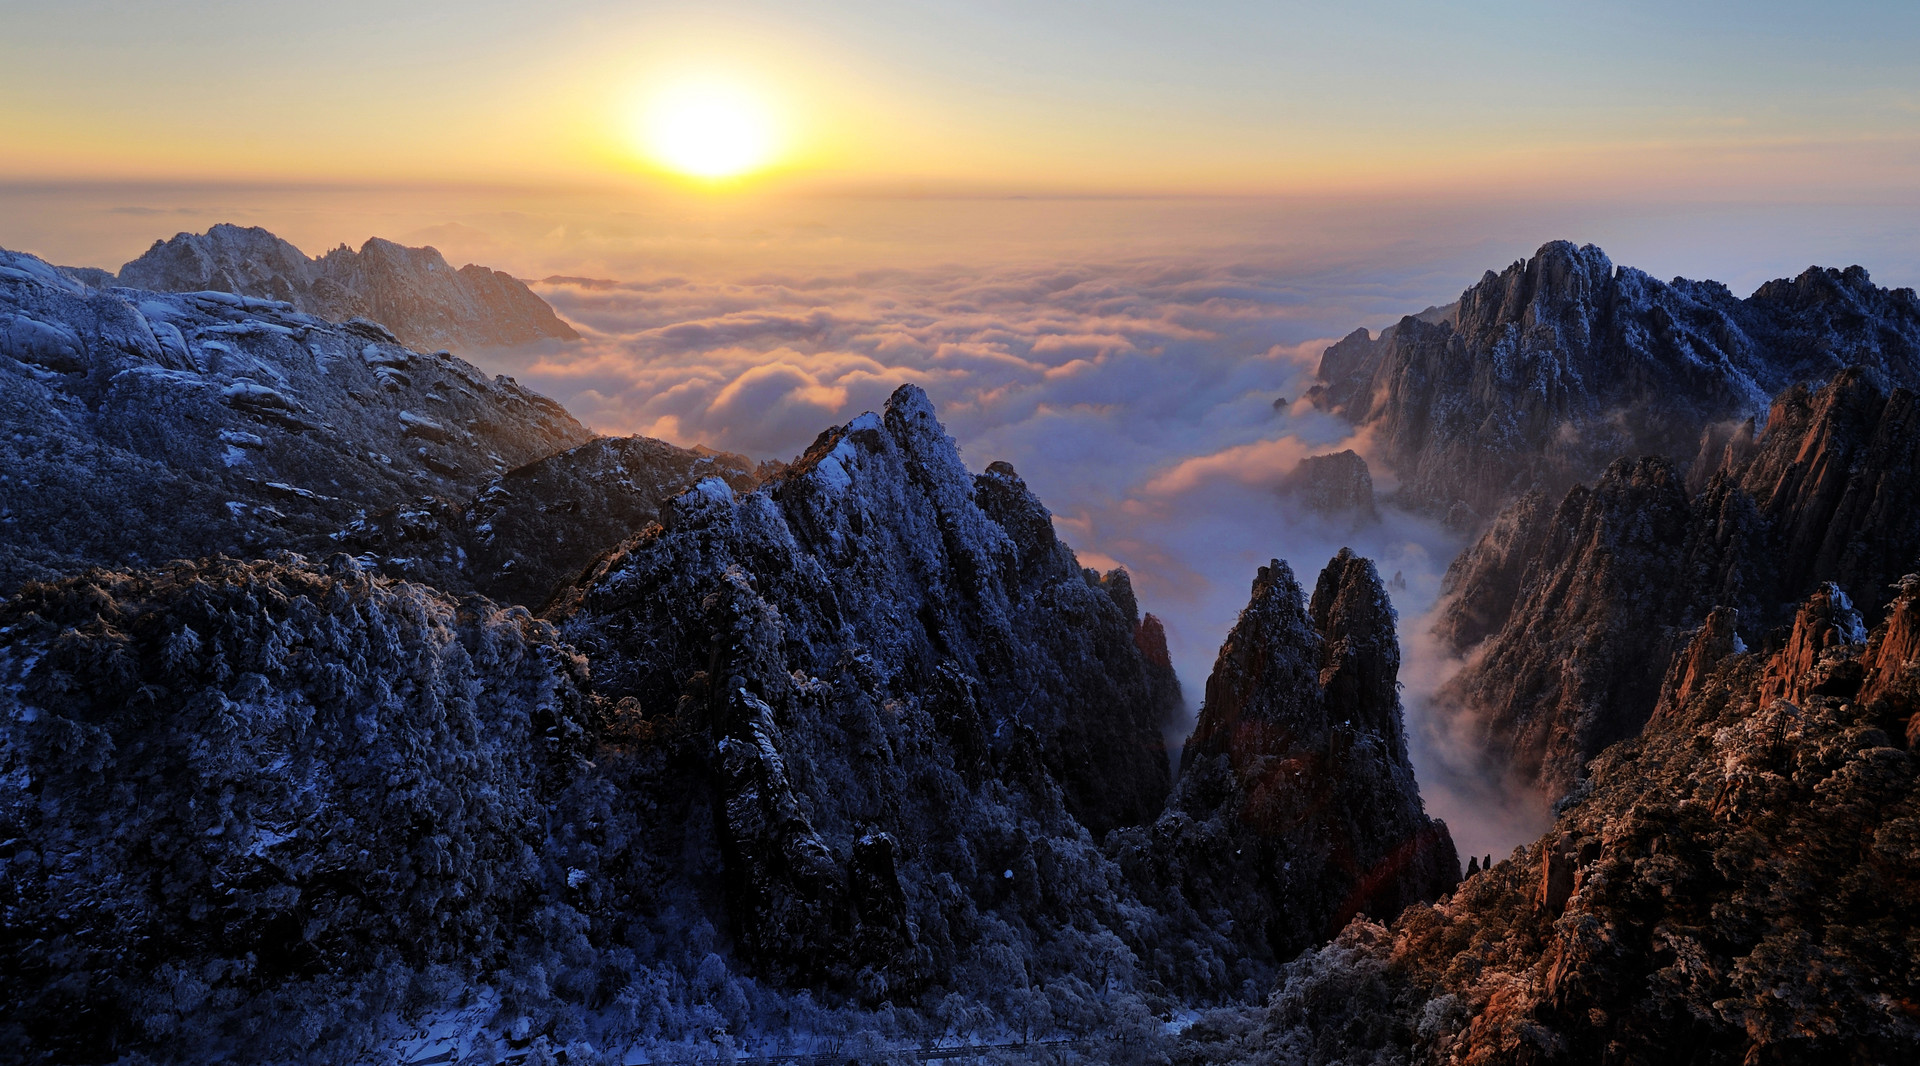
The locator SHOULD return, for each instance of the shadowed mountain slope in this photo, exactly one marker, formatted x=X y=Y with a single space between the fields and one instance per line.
x=533 y=530
x=1735 y=886
x=1572 y=614
x=1296 y=806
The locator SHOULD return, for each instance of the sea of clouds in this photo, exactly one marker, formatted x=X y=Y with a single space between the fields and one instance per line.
x=1154 y=405
x=1139 y=361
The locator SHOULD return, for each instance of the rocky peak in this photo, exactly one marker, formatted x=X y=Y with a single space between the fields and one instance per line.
x=877 y=642
x=148 y=426
x=1360 y=666
x=1552 y=300
x=411 y=291
x=1337 y=485
x=1561 y=363
x=1696 y=900
x=1893 y=654
x=1827 y=634
x=1296 y=806
x=1620 y=573
x=1690 y=671
x=245 y=261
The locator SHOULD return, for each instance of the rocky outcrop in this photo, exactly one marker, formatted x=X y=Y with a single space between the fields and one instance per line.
x=1733 y=886
x=1337 y=485
x=411 y=291
x=1570 y=621
x=233 y=794
x=897 y=690
x=152 y=426
x=1549 y=370
x=534 y=529
x=1296 y=807
x=1566 y=673
x=1833 y=475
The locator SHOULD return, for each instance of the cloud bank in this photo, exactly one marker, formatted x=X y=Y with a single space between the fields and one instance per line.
x=1152 y=404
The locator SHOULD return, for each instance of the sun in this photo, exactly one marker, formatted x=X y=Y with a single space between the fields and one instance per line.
x=708 y=129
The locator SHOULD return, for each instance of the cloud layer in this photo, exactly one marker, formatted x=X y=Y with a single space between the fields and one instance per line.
x=1151 y=404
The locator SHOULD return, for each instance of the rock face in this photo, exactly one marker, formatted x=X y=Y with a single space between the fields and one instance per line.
x=1296 y=807
x=862 y=744
x=152 y=426
x=231 y=791
x=895 y=685
x=534 y=529
x=1336 y=485
x=1546 y=372
x=412 y=291
x=1572 y=617
x=1734 y=886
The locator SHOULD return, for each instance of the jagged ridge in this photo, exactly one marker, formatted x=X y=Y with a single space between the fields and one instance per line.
x=1734 y=886
x=1544 y=373
x=411 y=291
x=151 y=426
x=1565 y=611
x=1296 y=806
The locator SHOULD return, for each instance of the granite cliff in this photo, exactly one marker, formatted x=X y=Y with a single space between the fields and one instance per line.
x=1296 y=807
x=1544 y=373
x=1568 y=616
x=1735 y=885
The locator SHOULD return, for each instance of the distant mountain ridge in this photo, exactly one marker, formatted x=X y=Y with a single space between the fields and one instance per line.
x=148 y=426
x=412 y=291
x=1544 y=373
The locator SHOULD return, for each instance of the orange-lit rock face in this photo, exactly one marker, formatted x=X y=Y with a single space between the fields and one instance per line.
x=1736 y=885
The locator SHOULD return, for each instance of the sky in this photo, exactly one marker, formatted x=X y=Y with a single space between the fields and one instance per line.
x=1110 y=240
x=1687 y=99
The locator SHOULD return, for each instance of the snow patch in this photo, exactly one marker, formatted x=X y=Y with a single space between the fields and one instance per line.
x=254 y=394
x=715 y=490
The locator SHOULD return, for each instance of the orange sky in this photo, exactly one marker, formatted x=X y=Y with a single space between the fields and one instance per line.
x=1721 y=101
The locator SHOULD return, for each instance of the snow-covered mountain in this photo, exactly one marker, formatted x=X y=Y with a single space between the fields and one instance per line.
x=412 y=291
x=1544 y=373
x=852 y=757
x=147 y=426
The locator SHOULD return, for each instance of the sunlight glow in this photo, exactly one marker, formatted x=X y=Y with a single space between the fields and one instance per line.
x=710 y=130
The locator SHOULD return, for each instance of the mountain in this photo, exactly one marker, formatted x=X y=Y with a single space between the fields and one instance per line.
x=1296 y=807
x=899 y=684
x=1735 y=885
x=855 y=748
x=411 y=291
x=151 y=426
x=1544 y=373
x=1337 y=485
x=236 y=793
x=530 y=532
x=1563 y=610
